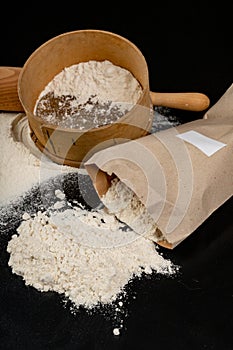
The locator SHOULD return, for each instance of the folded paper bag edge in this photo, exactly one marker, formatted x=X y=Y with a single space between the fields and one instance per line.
x=100 y=179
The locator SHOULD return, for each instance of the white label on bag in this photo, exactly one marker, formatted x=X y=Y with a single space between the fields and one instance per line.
x=205 y=144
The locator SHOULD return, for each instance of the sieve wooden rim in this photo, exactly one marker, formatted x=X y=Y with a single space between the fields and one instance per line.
x=71 y=48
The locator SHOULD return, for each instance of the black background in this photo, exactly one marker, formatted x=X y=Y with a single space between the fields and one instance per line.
x=188 y=47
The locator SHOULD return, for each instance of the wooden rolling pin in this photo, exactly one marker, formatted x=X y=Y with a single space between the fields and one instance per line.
x=9 y=100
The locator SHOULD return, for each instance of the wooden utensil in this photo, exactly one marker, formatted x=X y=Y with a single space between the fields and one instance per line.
x=9 y=100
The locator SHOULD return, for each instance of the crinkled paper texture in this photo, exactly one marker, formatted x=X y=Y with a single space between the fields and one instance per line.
x=179 y=184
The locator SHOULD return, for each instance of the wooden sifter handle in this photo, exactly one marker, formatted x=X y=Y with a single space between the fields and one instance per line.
x=9 y=100
x=190 y=101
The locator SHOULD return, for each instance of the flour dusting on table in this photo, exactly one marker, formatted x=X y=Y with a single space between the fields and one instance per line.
x=20 y=170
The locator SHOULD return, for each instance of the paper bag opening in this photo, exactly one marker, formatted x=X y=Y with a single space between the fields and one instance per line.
x=181 y=175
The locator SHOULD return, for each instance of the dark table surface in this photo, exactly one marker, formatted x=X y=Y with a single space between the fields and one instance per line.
x=187 y=49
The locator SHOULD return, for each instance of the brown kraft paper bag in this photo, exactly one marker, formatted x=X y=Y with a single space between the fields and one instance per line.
x=180 y=181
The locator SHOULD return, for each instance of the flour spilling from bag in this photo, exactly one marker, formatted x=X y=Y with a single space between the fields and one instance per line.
x=179 y=176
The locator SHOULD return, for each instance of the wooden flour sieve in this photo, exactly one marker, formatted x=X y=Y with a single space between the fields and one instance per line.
x=9 y=98
x=20 y=88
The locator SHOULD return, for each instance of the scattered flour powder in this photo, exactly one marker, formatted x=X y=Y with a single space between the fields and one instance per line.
x=88 y=94
x=86 y=255
x=20 y=169
x=16 y=163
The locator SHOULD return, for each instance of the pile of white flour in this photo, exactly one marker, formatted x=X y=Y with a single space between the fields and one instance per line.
x=100 y=80
x=88 y=94
x=86 y=255
x=50 y=257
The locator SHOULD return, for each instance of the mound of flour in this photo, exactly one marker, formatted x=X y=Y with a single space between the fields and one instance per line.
x=50 y=257
x=100 y=80
x=88 y=94
x=89 y=257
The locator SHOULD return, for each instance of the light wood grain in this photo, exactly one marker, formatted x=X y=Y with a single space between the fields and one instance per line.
x=192 y=101
x=9 y=100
